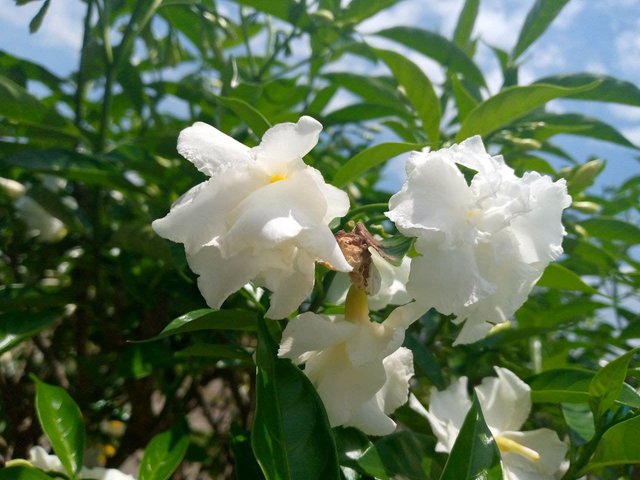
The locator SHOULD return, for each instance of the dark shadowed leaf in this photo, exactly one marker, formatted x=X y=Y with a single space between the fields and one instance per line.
x=15 y=327
x=22 y=473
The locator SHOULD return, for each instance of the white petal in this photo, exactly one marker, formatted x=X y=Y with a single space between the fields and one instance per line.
x=310 y=332
x=372 y=342
x=403 y=316
x=285 y=142
x=433 y=202
x=399 y=369
x=370 y=418
x=321 y=244
x=551 y=449
x=393 y=282
x=39 y=457
x=505 y=400
x=289 y=288
x=447 y=410
x=220 y=277
x=210 y=150
x=540 y=231
x=342 y=386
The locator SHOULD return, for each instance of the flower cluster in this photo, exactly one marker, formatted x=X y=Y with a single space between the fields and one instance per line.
x=483 y=242
x=482 y=245
x=505 y=401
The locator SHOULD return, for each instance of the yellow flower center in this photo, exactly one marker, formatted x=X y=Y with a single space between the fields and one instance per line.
x=356 y=306
x=506 y=445
x=276 y=177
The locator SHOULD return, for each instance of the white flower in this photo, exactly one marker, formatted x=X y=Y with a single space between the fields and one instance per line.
x=39 y=458
x=483 y=246
x=506 y=404
x=262 y=216
x=358 y=367
x=390 y=279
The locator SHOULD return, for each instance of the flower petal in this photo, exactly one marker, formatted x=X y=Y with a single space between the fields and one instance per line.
x=551 y=449
x=320 y=242
x=372 y=342
x=310 y=332
x=399 y=369
x=285 y=142
x=505 y=400
x=370 y=419
x=393 y=282
x=210 y=150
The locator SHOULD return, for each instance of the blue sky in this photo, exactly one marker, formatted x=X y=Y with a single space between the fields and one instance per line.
x=593 y=36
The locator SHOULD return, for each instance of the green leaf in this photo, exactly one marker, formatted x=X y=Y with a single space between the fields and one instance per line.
x=464 y=100
x=395 y=248
x=607 y=383
x=246 y=466
x=609 y=89
x=36 y=22
x=425 y=361
x=374 y=90
x=508 y=105
x=475 y=454
x=291 y=436
x=418 y=89
x=288 y=10
x=570 y=385
x=612 y=229
x=403 y=454
x=163 y=455
x=359 y=10
x=248 y=114
x=579 y=419
x=215 y=351
x=438 y=48
x=369 y=158
x=22 y=473
x=208 y=319
x=557 y=276
x=19 y=105
x=61 y=420
x=618 y=446
x=16 y=327
x=361 y=112
x=538 y=19
x=466 y=21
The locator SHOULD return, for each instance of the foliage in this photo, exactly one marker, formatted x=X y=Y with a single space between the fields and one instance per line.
x=111 y=313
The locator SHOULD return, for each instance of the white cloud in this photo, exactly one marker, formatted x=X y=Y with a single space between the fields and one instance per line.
x=628 y=50
x=625 y=112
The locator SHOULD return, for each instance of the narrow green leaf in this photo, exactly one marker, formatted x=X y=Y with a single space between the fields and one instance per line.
x=215 y=351
x=396 y=247
x=557 y=276
x=618 y=446
x=466 y=21
x=474 y=455
x=538 y=19
x=418 y=89
x=22 y=473
x=291 y=436
x=359 y=10
x=16 y=67
x=437 y=48
x=361 y=112
x=508 y=105
x=61 y=420
x=607 y=383
x=208 y=319
x=163 y=455
x=36 y=22
x=247 y=113
x=287 y=10
x=16 y=327
x=612 y=229
x=464 y=100
x=609 y=89
x=369 y=158
x=374 y=90
x=404 y=454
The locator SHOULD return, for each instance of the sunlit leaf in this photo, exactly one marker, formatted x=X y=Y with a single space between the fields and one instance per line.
x=618 y=446
x=607 y=384
x=557 y=276
x=538 y=19
x=163 y=455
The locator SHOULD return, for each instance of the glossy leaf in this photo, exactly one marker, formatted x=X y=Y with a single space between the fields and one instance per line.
x=62 y=422
x=557 y=276
x=246 y=466
x=291 y=436
x=540 y=16
x=607 y=383
x=580 y=420
x=608 y=89
x=618 y=446
x=369 y=158
x=163 y=455
x=475 y=454
x=208 y=319
x=16 y=327
x=508 y=105
x=419 y=91
x=399 y=455
x=438 y=48
x=215 y=351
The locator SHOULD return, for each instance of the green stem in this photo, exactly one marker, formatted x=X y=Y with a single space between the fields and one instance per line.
x=80 y=91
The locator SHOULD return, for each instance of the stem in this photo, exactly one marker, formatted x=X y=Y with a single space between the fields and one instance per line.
x=80 y=91
x=245 y=38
